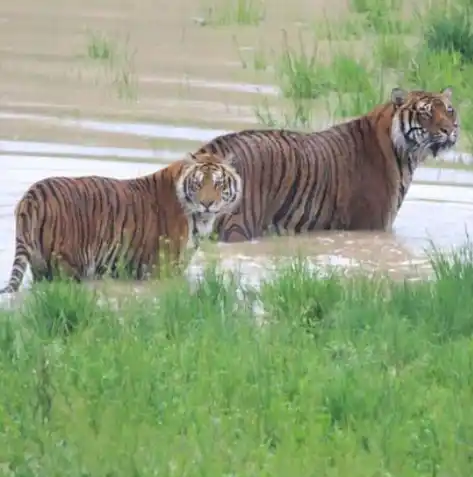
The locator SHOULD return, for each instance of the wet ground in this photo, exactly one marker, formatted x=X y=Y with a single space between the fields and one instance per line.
x=120 y=88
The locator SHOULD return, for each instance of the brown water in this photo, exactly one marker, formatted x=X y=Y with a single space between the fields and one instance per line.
x=174 y=84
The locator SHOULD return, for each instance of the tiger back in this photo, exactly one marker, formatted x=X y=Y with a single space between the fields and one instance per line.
x=86 y=227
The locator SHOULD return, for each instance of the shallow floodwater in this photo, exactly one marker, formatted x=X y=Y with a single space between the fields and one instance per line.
x=172 y=85
x=432 y=211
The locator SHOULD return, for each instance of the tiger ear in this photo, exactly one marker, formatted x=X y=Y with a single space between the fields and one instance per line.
x=231 y=159
x=447 y=92
x=398 y=96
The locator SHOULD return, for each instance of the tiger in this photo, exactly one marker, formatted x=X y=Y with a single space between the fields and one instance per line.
x=83 y=226
x=351 y=176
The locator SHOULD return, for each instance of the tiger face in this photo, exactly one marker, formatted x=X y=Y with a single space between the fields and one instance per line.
x=424 y=122
x=209 y=185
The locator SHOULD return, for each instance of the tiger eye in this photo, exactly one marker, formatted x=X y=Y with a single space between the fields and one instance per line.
x=425 y=109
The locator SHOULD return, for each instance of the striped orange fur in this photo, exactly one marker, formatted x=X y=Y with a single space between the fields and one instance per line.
x=85 y=226
x=352 y=176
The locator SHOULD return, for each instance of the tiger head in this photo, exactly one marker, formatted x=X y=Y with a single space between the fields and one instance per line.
x=209 y=184
x=424 y=122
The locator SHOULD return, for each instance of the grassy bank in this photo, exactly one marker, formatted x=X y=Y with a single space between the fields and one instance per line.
x=341 y=68
x=347 y=377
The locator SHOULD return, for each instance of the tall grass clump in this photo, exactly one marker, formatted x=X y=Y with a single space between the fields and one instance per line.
x=451 y=29
x=345 y=84
x=239 y=12
x=59 y=308
x=381 y=16
x=348 y=75
x=100 y=47
x=361 y=102
x=391 y=52
x=299 y=115
x=300 y=73
x=350 y=376
x=431 y=70
x=117 y=60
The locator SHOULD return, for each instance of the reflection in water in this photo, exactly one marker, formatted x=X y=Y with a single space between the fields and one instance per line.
x=266 y=89
x=143 y=129
x=43 y=148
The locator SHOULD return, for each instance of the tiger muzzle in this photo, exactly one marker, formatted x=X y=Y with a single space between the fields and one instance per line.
x=207 y=204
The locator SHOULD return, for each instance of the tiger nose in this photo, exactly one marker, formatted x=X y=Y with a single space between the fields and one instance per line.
x=449 y=132
x=207 y=203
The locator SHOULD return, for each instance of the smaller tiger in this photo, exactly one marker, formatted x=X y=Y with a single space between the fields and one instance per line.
x=87 y=226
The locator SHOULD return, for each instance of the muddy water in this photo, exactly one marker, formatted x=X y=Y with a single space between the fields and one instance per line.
x=162 y=85
x=433 y=211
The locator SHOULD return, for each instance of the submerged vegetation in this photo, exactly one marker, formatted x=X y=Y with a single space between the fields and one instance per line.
x=358 y=375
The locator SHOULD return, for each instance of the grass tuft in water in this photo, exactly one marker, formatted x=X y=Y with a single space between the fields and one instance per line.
x=299 y=115
x=257 y=59
x=376 y=372
x=118 y=61
x=99 y=47
x=239 y=12
x=300 y=74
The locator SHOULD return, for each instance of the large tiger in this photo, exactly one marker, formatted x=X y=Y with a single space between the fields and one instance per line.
x=84 y=226
x=351 y=176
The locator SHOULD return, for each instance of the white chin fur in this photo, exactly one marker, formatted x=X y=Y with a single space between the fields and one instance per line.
x=397 y=135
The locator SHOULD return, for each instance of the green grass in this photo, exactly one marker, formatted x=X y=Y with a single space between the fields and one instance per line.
x=117 y=61
x=300 y=116
x=391 y=52
x=348 y=376
x=300 y=74
x=232 y=12
x=99 y=47
x=451 y=29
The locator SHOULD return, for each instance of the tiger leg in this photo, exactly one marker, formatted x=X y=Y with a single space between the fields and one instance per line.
x=152 y=266
x=132 y=268
x=142 y=272
x=40 y=268
x=63 y=265
x=129 y=266
x=233 y=228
